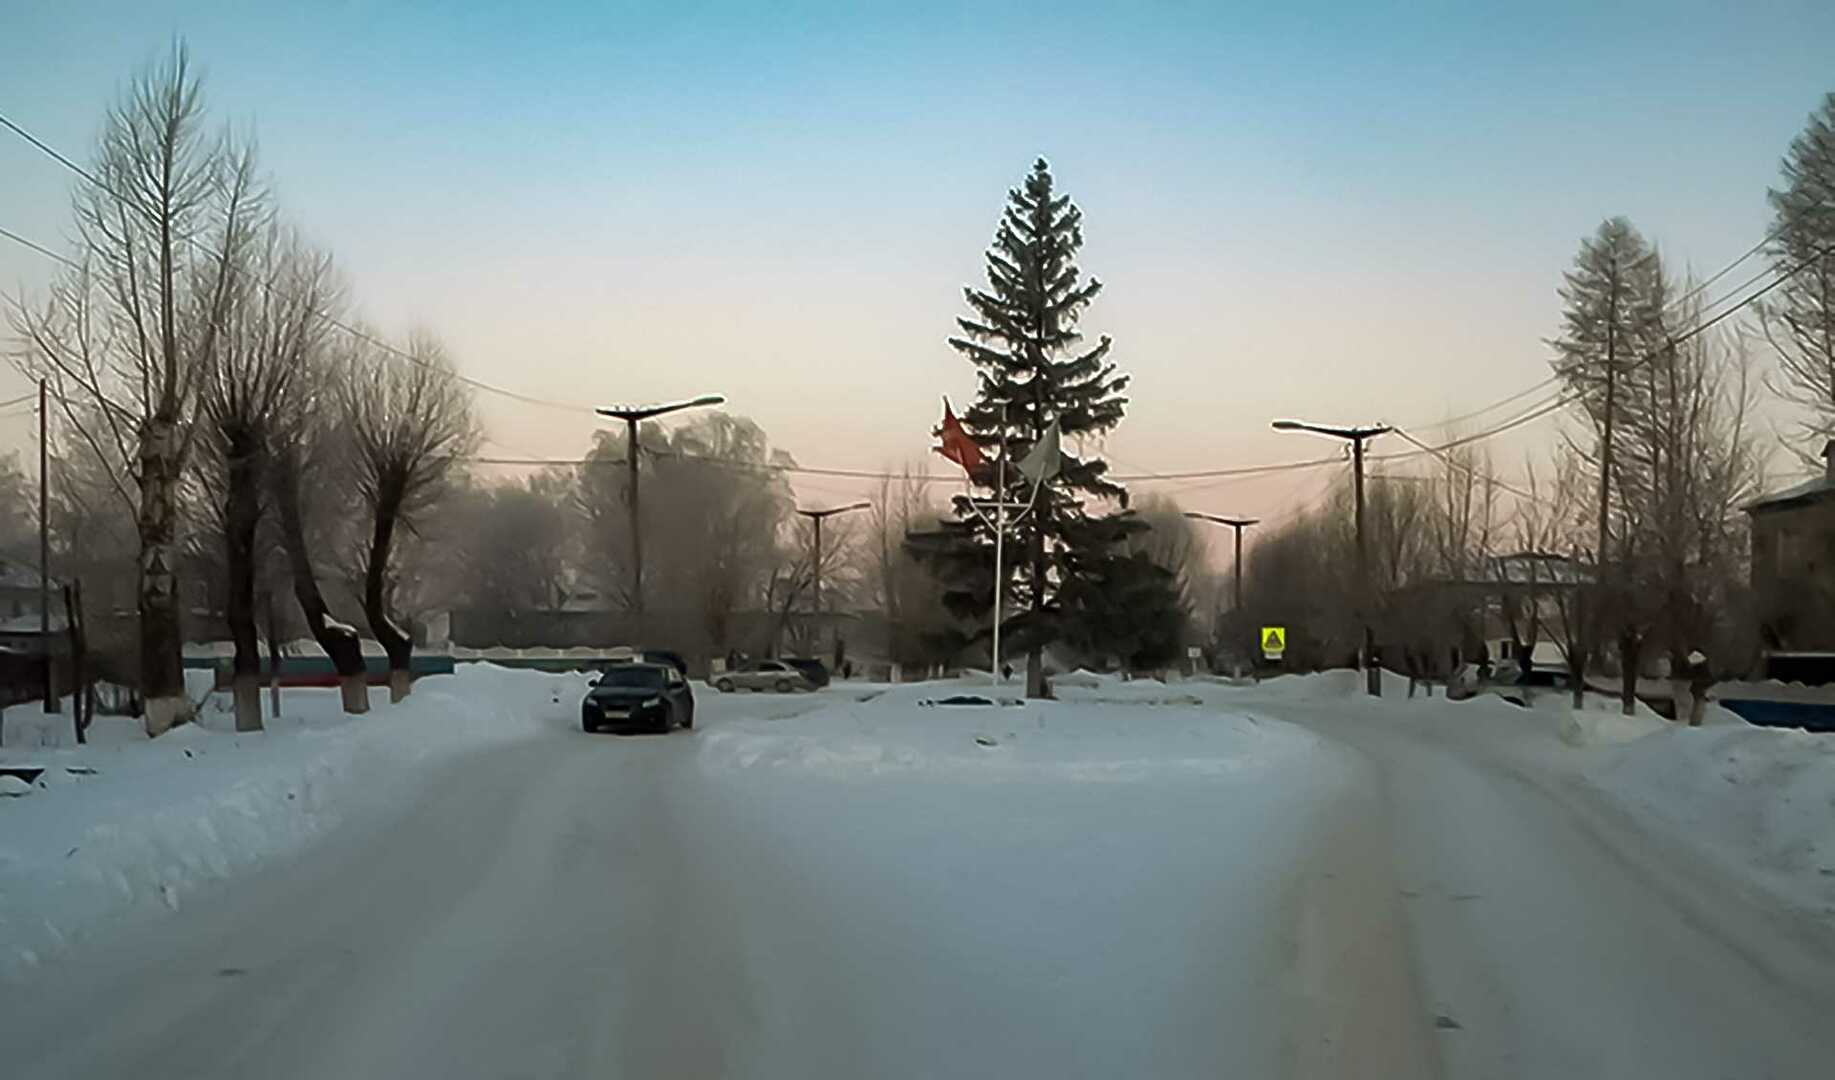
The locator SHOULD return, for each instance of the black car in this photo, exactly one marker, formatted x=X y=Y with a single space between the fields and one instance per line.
x=813 y=670
x=638 y=697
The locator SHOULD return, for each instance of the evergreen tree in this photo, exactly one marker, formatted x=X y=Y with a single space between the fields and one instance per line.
x=1129 y=608
x=1022 y=338
x=1799 y=315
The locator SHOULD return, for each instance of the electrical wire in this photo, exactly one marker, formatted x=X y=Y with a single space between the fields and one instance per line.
x=1533 y=413
x=325 y=316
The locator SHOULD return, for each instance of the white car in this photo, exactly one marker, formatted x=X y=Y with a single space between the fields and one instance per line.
x=763 y=675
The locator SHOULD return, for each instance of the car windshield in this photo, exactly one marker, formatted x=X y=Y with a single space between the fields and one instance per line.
x=633 y=678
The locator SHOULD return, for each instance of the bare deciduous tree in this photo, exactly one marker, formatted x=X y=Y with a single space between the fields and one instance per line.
x=408 y=422
x=306 y=463
x=1798 y=319
x=906 y=593
x=273 y=327
x=125 y=335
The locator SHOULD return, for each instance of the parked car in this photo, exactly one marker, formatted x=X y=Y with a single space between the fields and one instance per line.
x=626 y=654
x=763 y=675
x=813 y=670
x=638 y=697
x=1517 y=685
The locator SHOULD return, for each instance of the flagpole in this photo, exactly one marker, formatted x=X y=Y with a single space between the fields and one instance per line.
x=1000 y=535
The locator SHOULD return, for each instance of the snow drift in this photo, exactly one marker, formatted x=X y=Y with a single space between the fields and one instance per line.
x=127 y=827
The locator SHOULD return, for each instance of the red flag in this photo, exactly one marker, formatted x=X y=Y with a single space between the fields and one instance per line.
x=957 y=446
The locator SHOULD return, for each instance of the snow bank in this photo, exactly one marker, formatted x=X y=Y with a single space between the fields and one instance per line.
x=126 y=826
x=1326 y=685
x=1601 y=726
x=1089 y=740
x=1759 y=799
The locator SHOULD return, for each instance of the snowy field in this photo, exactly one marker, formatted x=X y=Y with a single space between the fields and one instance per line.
x=1136 y=879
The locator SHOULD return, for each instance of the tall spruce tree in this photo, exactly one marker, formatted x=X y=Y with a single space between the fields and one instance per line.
x=1023 y=340
x=1799 y=316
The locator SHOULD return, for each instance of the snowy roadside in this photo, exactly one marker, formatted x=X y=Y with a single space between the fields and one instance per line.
x=1757 y=803
x=125 y=828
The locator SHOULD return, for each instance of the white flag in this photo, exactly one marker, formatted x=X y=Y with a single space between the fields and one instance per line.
x=1044 y=461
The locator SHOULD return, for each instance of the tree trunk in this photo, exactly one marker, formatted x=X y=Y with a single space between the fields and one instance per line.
x=1630 y=661
x=339 y=640
x=241 y=515
x=273 y=658
x=79 y=666
x=162 y=666
x=375 y=599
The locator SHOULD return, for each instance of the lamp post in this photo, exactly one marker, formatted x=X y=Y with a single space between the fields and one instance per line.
x=1237 y=524
x=1356 y=437
x=632 y=415
x=817 y=517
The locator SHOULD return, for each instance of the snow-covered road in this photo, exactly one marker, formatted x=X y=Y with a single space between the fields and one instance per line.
x=819 y=887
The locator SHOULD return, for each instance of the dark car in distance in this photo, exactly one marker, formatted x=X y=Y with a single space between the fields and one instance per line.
x=638 y=697
x=813 y=670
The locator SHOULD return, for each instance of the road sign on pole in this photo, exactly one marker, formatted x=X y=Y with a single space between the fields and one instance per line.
x=1274 y=641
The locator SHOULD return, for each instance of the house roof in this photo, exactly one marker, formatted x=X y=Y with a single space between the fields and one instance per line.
x=1810 y=491
x=1535 y=568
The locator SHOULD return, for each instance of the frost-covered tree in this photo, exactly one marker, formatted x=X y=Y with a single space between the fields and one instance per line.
x=126 y=332
x=1798 y=317
x=1034 y=369
x=273 y=326
x=408 y=422
x=1612 y=324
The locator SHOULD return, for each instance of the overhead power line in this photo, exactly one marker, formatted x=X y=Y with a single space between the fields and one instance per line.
x=328 y=318
x=1534 y=412
x=1777 y=231
x=40 y=248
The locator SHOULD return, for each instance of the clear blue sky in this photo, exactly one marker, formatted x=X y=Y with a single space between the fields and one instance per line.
x=1330 y=211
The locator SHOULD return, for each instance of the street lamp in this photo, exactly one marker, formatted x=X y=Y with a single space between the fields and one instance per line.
x=632 y=415
x=1356 y=437
x=1238 y=524
x=817 y=517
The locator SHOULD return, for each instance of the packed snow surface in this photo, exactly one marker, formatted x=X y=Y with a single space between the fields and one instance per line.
x=1139 y=878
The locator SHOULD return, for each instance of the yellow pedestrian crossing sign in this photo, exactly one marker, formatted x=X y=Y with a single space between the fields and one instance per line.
x=1274 y=641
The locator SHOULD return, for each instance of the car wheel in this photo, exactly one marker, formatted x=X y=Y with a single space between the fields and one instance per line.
x=783 y=686
x=688 y=720
x=725 y=686
x=589 y=727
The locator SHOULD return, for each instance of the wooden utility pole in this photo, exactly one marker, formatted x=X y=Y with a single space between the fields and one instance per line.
x=632 y=416
x=1356 y=437
x=44 y=551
